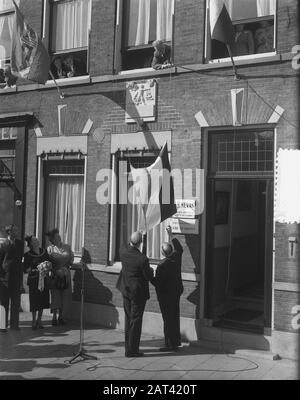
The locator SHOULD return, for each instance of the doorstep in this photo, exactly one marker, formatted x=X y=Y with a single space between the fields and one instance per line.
x=228 y=348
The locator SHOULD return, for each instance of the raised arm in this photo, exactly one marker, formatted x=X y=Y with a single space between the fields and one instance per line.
x=175 y=242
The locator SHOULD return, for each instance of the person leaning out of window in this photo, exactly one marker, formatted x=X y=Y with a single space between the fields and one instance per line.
x=161 y=56
x=61 y=257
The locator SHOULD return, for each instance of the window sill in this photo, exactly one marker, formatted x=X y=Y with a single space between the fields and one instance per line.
x=76 y=80
x=134 y=74
x=116 y=269
x=225 y=63
x=8 y=90
x=243 y=58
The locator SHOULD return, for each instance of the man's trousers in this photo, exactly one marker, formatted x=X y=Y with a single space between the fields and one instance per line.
x=11 y=295
x=170 y=310
x=133 y=324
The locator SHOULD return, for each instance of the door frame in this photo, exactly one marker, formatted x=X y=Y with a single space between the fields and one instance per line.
x=205 y=158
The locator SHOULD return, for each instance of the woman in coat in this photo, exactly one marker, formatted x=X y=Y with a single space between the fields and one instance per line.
x=61 y=257
x=36 y=263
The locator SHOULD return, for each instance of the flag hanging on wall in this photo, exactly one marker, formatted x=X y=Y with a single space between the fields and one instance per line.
x=29 y=57
x=221 y=27
x=154 y=191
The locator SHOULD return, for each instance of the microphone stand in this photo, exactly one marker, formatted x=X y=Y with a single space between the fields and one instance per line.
x=82 y=355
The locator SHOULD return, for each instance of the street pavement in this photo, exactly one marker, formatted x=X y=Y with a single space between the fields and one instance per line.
x=45 y=355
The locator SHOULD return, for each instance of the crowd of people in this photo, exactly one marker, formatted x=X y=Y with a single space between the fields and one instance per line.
x=66 y=67
x=258 y=41
x=49 y=282
x=48 y=279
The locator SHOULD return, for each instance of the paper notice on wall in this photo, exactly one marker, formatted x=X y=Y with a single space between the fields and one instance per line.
x=287 y=187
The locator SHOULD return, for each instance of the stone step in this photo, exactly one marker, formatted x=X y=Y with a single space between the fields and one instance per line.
x=228 y=348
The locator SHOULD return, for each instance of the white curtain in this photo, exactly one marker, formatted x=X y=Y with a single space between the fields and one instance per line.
x=6 y=27
x=143 y=22
x=71 y=24
x=265 y=7
x=64 y=209
x=165 y=9
x=149 y=20
x=229 y=6
x=2 y=46
x=243 y=9
x=7 y=4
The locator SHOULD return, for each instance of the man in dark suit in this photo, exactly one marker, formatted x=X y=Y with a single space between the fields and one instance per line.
x=169 y=288
x=133 y=283
x=11 y=273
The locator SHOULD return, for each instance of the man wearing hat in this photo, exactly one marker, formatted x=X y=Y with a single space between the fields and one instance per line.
x=169 y=288
x=133 y=283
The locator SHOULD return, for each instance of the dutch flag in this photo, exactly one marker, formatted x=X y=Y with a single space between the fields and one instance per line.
x=154 y=191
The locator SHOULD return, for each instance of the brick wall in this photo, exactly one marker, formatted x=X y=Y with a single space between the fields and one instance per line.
x=286 y=269
x=284 y=303
x=101 y=289
x=102 y=37
x=288 y=25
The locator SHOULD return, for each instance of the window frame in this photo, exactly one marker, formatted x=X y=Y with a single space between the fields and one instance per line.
x=120 y=38
x=41 y=193
x=46 y=175
x=126 y=156
x=47 y=30
x=244 y=57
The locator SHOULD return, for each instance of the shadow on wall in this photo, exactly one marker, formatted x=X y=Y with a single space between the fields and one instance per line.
x=194 y=298
x=95 y=293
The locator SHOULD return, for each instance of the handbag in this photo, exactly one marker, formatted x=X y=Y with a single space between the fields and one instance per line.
x=57 y=280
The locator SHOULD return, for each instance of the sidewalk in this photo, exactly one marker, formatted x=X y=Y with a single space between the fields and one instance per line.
x=44 y=355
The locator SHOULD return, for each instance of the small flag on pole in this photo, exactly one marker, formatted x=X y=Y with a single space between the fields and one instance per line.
x=220 y=23
x=154 y=191
x=221 y=28
x=29 y=57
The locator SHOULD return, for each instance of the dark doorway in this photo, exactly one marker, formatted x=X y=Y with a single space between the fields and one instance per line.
x=239 y=235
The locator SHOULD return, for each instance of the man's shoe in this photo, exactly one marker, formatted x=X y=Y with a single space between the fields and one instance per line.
x=134 y=355
x=3 y=330
x=61 y=321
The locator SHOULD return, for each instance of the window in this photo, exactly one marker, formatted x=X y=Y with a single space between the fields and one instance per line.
x=254 y=25
x=6 y=27
x=7 y=162
x=242 y=153
x=69 y=39
x=64 y=201
x=143 y=22
x=129 y=214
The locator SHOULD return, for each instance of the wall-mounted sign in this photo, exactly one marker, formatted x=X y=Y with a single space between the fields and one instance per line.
x=185 y=226
x=185 y=209
x=8 y=133
x=141 y=101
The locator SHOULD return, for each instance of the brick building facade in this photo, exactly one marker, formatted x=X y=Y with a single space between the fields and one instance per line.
x=256 y=300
